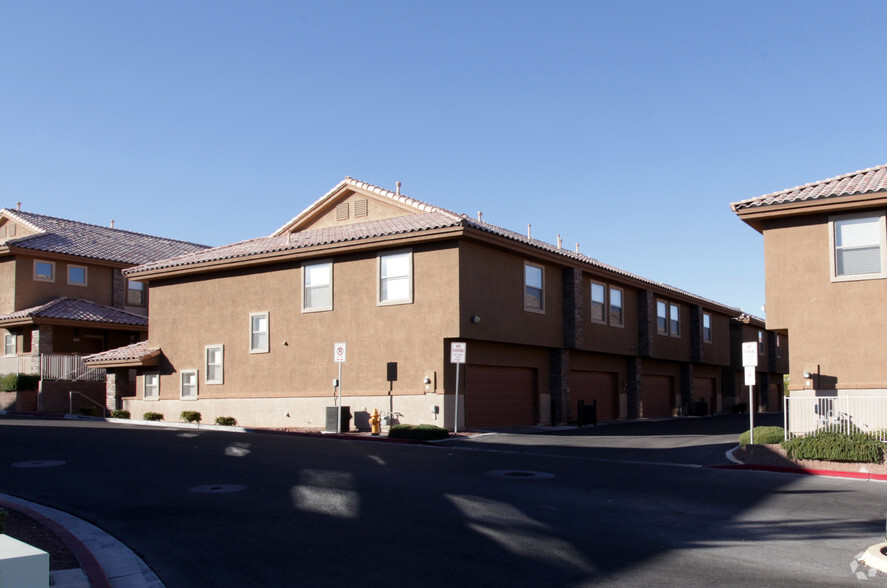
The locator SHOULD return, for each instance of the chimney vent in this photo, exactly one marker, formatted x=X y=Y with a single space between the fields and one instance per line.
x=18 y=206
x=112 y=223
x=560 y=242
x=529 y=236
x=480 y=216
x=397 y=188
x=577 y=247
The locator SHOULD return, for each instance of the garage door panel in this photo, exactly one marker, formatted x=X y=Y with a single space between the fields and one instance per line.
x=498 y=396
x=599 y=387
x=703 y=391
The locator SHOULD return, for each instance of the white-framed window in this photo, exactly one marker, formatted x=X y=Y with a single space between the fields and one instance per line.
x=189 y=384
x=706 y=327
x=77 y=275
x=616 y=314
x=215 y=361
x=857 y=243
x=760 y=342
x=661 y=317
x=135 y=293
x=317 y=286
x=534 y=287
x=44 y=271
x=674 y=320
x=258 y=332
x=395 y=284
x=598 y=302
x=9 y=345
x=151 y=382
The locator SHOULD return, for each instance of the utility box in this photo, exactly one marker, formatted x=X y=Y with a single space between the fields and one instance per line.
x=332 y=413
x=22 y=564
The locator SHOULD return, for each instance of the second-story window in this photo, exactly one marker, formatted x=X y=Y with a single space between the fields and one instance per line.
x=706 y=327
x=760 y=342
x=135 y=293
x=616 y=316
x=214 y=364
x=395 y=278
x=661 y=317
x=44 y=271
x=317 y=286
x=674 y=320
x=258 y=332
x=77 y=275
x=534 y=287
x=598 y=312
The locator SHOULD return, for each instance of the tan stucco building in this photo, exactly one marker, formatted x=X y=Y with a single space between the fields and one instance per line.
x=248 y=330
x=826 y=264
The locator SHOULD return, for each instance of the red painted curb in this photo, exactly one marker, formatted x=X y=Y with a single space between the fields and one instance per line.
x=804 y=471
x=88 y=563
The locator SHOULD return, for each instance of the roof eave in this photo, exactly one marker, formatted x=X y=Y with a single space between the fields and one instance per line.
x=755 y=216
x=32 y=320
x=151 y=360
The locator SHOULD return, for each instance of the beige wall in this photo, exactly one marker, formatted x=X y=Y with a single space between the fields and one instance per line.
x=7 y=285
x=191 y=313
x=836 y=328
x=492 y=288
x=376 y=209
x=30 y=292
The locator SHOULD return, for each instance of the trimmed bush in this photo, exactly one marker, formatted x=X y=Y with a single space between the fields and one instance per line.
x=120 y=414
x=421 y=432
x=152 y=416
x=190 y=416
x=18 y=382
x=832 y=446
x=764 y=435
x=226 y=421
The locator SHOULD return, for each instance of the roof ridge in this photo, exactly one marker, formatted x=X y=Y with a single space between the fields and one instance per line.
x=17 y=217
x=402 y=198
x=91 y=225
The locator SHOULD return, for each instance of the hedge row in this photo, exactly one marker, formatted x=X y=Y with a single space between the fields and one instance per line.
x=18 y=382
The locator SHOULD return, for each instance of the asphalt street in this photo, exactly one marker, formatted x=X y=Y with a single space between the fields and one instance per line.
x=210 y=508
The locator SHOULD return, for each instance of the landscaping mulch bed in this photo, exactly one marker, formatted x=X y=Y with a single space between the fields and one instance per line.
x=22 y=527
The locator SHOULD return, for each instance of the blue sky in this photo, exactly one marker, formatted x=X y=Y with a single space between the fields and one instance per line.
x=626 y=126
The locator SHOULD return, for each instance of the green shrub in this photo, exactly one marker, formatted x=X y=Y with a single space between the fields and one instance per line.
x=18 y=382
x=190 y=416
x=833 y=446
x=226 y=421
x=88 y=411
x=120 y=414
x=152 y=416
x=764 y=435
x=422 y=432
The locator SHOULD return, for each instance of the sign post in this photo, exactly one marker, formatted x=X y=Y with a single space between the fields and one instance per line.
x=339 y=358
x=457 y=356
x=750 y=362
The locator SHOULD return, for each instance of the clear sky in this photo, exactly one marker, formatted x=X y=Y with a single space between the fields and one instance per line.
x=626 y=126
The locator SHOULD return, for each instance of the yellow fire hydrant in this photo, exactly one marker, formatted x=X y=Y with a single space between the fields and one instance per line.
x=375 y=422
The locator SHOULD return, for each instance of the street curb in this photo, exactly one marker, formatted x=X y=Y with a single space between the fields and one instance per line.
x=88 y=563
x=803 y=471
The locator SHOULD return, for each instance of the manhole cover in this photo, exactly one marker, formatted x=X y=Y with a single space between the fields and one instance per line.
x=39 y=463
x=519 y=474
x=217 y=488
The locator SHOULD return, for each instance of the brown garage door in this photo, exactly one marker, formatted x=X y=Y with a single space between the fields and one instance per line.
x=703 y=396
x=657 y=395
x=595 y=386
x=499 y=396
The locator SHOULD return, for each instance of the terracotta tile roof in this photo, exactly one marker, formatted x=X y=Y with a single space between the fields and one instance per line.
x=58 y=235
x=873 y=179
x=75 y=309
x=136 y=352
x=427 y=217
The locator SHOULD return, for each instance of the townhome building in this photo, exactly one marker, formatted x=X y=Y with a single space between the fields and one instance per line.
x=250 y=330
x=63 y=296
x=825 y=249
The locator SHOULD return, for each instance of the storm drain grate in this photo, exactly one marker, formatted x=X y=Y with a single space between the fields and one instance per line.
x=217 y=488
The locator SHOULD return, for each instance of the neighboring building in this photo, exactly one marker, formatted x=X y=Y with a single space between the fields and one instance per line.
x=248 y=330
x=63 y=296
x=825 y=249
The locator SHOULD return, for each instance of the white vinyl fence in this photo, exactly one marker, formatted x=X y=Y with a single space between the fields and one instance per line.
x=51 y=366
x=808 y=415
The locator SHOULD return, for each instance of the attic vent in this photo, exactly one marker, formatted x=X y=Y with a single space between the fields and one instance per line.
x=360 y=208
x=12 y=229
x=2 y=231
x=342 y=211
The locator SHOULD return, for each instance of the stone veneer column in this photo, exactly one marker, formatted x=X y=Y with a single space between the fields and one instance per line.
x=118 y=289
x=559 y=380
x=633 y=383
x=41 y=340
x=686 y=387
x=111 y=389
x=573 y=301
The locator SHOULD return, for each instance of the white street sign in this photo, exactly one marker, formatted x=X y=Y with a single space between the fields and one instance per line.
x=750 y=354
x=458 y=352
x=749 y=375
x=339 y=353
